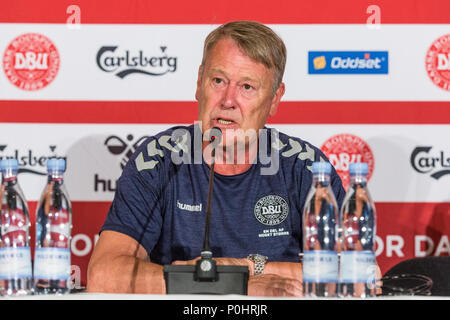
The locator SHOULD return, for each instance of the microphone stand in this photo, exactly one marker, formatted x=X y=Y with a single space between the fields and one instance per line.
x=206 y=277
x=206 y=268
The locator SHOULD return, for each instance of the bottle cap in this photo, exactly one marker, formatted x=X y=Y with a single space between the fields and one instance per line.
x=6 y=164
x=321 y=167
x=360 y=168
x=55 y=164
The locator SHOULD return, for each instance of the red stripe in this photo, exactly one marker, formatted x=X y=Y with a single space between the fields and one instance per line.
x=216 y=12
x=328 y=112
x=404 y=219
x=408 y=219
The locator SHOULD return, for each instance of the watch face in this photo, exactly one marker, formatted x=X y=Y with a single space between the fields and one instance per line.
x=257 y=257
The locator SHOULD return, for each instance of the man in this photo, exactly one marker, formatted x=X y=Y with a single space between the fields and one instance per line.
x=157 y=216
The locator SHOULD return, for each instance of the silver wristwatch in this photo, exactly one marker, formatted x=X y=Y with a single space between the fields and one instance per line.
x=259 y=262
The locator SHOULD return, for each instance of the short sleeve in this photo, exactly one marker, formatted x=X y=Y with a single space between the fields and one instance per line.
x=136 y=207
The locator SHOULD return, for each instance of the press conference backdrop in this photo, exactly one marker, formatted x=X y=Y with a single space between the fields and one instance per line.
x=364 y=83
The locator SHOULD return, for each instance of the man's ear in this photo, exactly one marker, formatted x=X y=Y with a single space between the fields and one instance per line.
x=199 y=82
x=276 y=99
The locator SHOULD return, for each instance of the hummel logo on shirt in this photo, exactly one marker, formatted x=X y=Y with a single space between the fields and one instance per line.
x=189 y=207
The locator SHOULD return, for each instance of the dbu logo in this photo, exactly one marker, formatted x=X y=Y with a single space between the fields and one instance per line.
x=271 y=209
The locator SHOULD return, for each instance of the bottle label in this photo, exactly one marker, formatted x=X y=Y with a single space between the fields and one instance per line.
x=320 y=266
x=52 y=263
x=15 y=263
x=358 y=267
x=59 y=228
x=13 y=227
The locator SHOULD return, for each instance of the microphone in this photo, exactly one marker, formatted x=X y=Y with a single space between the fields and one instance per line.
x=206 y=277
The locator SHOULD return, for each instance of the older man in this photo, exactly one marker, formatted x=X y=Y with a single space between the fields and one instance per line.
x=157 y=216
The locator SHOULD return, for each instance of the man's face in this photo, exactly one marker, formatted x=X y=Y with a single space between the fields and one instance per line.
x=235 y=92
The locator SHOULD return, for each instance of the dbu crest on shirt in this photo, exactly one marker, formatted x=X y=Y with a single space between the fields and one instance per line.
x=271 y=210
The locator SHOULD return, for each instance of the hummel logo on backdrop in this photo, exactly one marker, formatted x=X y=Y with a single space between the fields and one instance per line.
x=117 y=146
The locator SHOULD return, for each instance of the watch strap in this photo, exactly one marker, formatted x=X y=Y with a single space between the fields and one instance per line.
x=259 y=261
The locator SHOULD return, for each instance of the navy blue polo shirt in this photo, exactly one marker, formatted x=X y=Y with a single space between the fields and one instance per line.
x=161 y=199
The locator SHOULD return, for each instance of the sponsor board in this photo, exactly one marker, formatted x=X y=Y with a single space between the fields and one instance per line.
x=113 y=63
x=96 y=154
x=393 y=178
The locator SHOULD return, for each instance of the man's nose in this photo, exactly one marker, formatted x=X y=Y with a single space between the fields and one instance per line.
x=229 y=98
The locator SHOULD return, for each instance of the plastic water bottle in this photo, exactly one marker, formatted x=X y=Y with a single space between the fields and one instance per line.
x=53 y=233
x=15 y=256
x=320 y=237
x=357 y=269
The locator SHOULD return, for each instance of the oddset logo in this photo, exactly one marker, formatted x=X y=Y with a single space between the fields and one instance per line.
x=31 y=61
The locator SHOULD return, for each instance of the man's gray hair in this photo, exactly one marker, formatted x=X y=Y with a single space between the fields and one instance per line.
x=257 y=41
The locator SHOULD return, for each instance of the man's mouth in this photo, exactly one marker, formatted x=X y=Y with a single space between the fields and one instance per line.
x=224 y=121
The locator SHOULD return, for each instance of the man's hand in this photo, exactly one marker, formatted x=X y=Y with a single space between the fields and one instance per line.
x=274 y=285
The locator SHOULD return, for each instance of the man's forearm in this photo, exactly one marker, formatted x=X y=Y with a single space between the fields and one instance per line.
x=125 y=274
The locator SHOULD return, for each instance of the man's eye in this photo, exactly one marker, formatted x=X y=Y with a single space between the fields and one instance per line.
x=217 y=80
x=247 y=86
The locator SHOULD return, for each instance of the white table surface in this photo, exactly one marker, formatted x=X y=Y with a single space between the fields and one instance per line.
x=115 y=296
